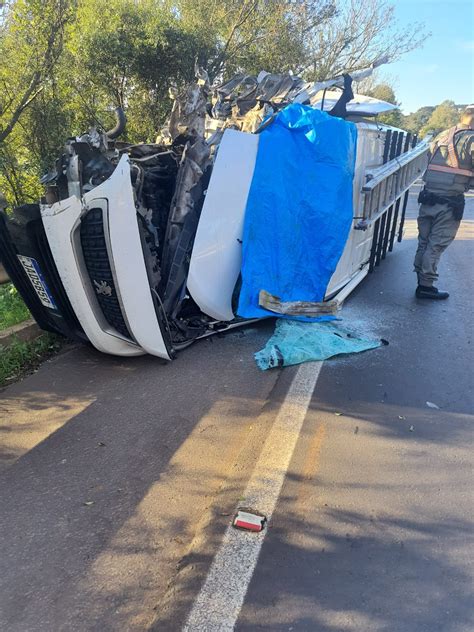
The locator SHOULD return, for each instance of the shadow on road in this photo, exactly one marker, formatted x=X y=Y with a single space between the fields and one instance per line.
x=359 y=575
x=95 y=515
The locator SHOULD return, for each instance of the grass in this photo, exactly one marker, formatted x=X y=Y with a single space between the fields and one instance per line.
x=12 y=308
x=21 y=358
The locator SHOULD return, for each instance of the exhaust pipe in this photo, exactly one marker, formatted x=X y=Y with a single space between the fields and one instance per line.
x=119 y=128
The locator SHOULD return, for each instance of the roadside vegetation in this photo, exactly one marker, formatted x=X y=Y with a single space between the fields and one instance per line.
x=12 y=308
x=21 y=358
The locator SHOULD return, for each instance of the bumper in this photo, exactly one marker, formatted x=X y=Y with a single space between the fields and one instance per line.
x=102 y=268
x=28 y=239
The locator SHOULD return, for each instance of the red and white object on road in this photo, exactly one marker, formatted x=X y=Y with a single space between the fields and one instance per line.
x=249 y=520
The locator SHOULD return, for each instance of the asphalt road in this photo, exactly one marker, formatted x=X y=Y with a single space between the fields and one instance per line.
x=119 y=478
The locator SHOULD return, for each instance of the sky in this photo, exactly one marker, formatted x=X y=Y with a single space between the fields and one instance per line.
x=443 y=68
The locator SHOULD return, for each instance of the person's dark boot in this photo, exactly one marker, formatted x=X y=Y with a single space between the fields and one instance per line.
x=431 y=292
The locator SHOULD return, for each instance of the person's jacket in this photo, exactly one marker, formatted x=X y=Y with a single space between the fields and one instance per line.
x=451 y=167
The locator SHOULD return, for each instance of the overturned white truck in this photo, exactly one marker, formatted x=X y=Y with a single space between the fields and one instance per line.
x=137 y=248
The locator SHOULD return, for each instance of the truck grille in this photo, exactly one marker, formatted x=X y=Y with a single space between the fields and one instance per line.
x=96 y=259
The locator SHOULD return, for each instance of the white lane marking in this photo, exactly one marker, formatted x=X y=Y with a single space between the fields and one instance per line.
x=217 y=607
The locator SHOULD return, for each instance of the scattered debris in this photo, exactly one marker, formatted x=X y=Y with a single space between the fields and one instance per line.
x=249 y=520
x=431 y=405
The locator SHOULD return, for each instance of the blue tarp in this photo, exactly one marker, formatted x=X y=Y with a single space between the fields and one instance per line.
x=299 y=209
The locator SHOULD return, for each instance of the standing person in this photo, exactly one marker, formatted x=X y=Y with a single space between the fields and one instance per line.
x=449 y=174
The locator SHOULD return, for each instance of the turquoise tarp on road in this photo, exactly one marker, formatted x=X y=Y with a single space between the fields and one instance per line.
x=296 y=342
x=299 y=210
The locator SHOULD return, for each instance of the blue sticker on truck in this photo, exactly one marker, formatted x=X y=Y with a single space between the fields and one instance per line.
x=35 y=275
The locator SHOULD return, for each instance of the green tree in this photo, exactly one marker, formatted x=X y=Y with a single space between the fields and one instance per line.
x=129 y=57
x=445 y=115
x=32 y=34
x=31 y=42
x=416 y=120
